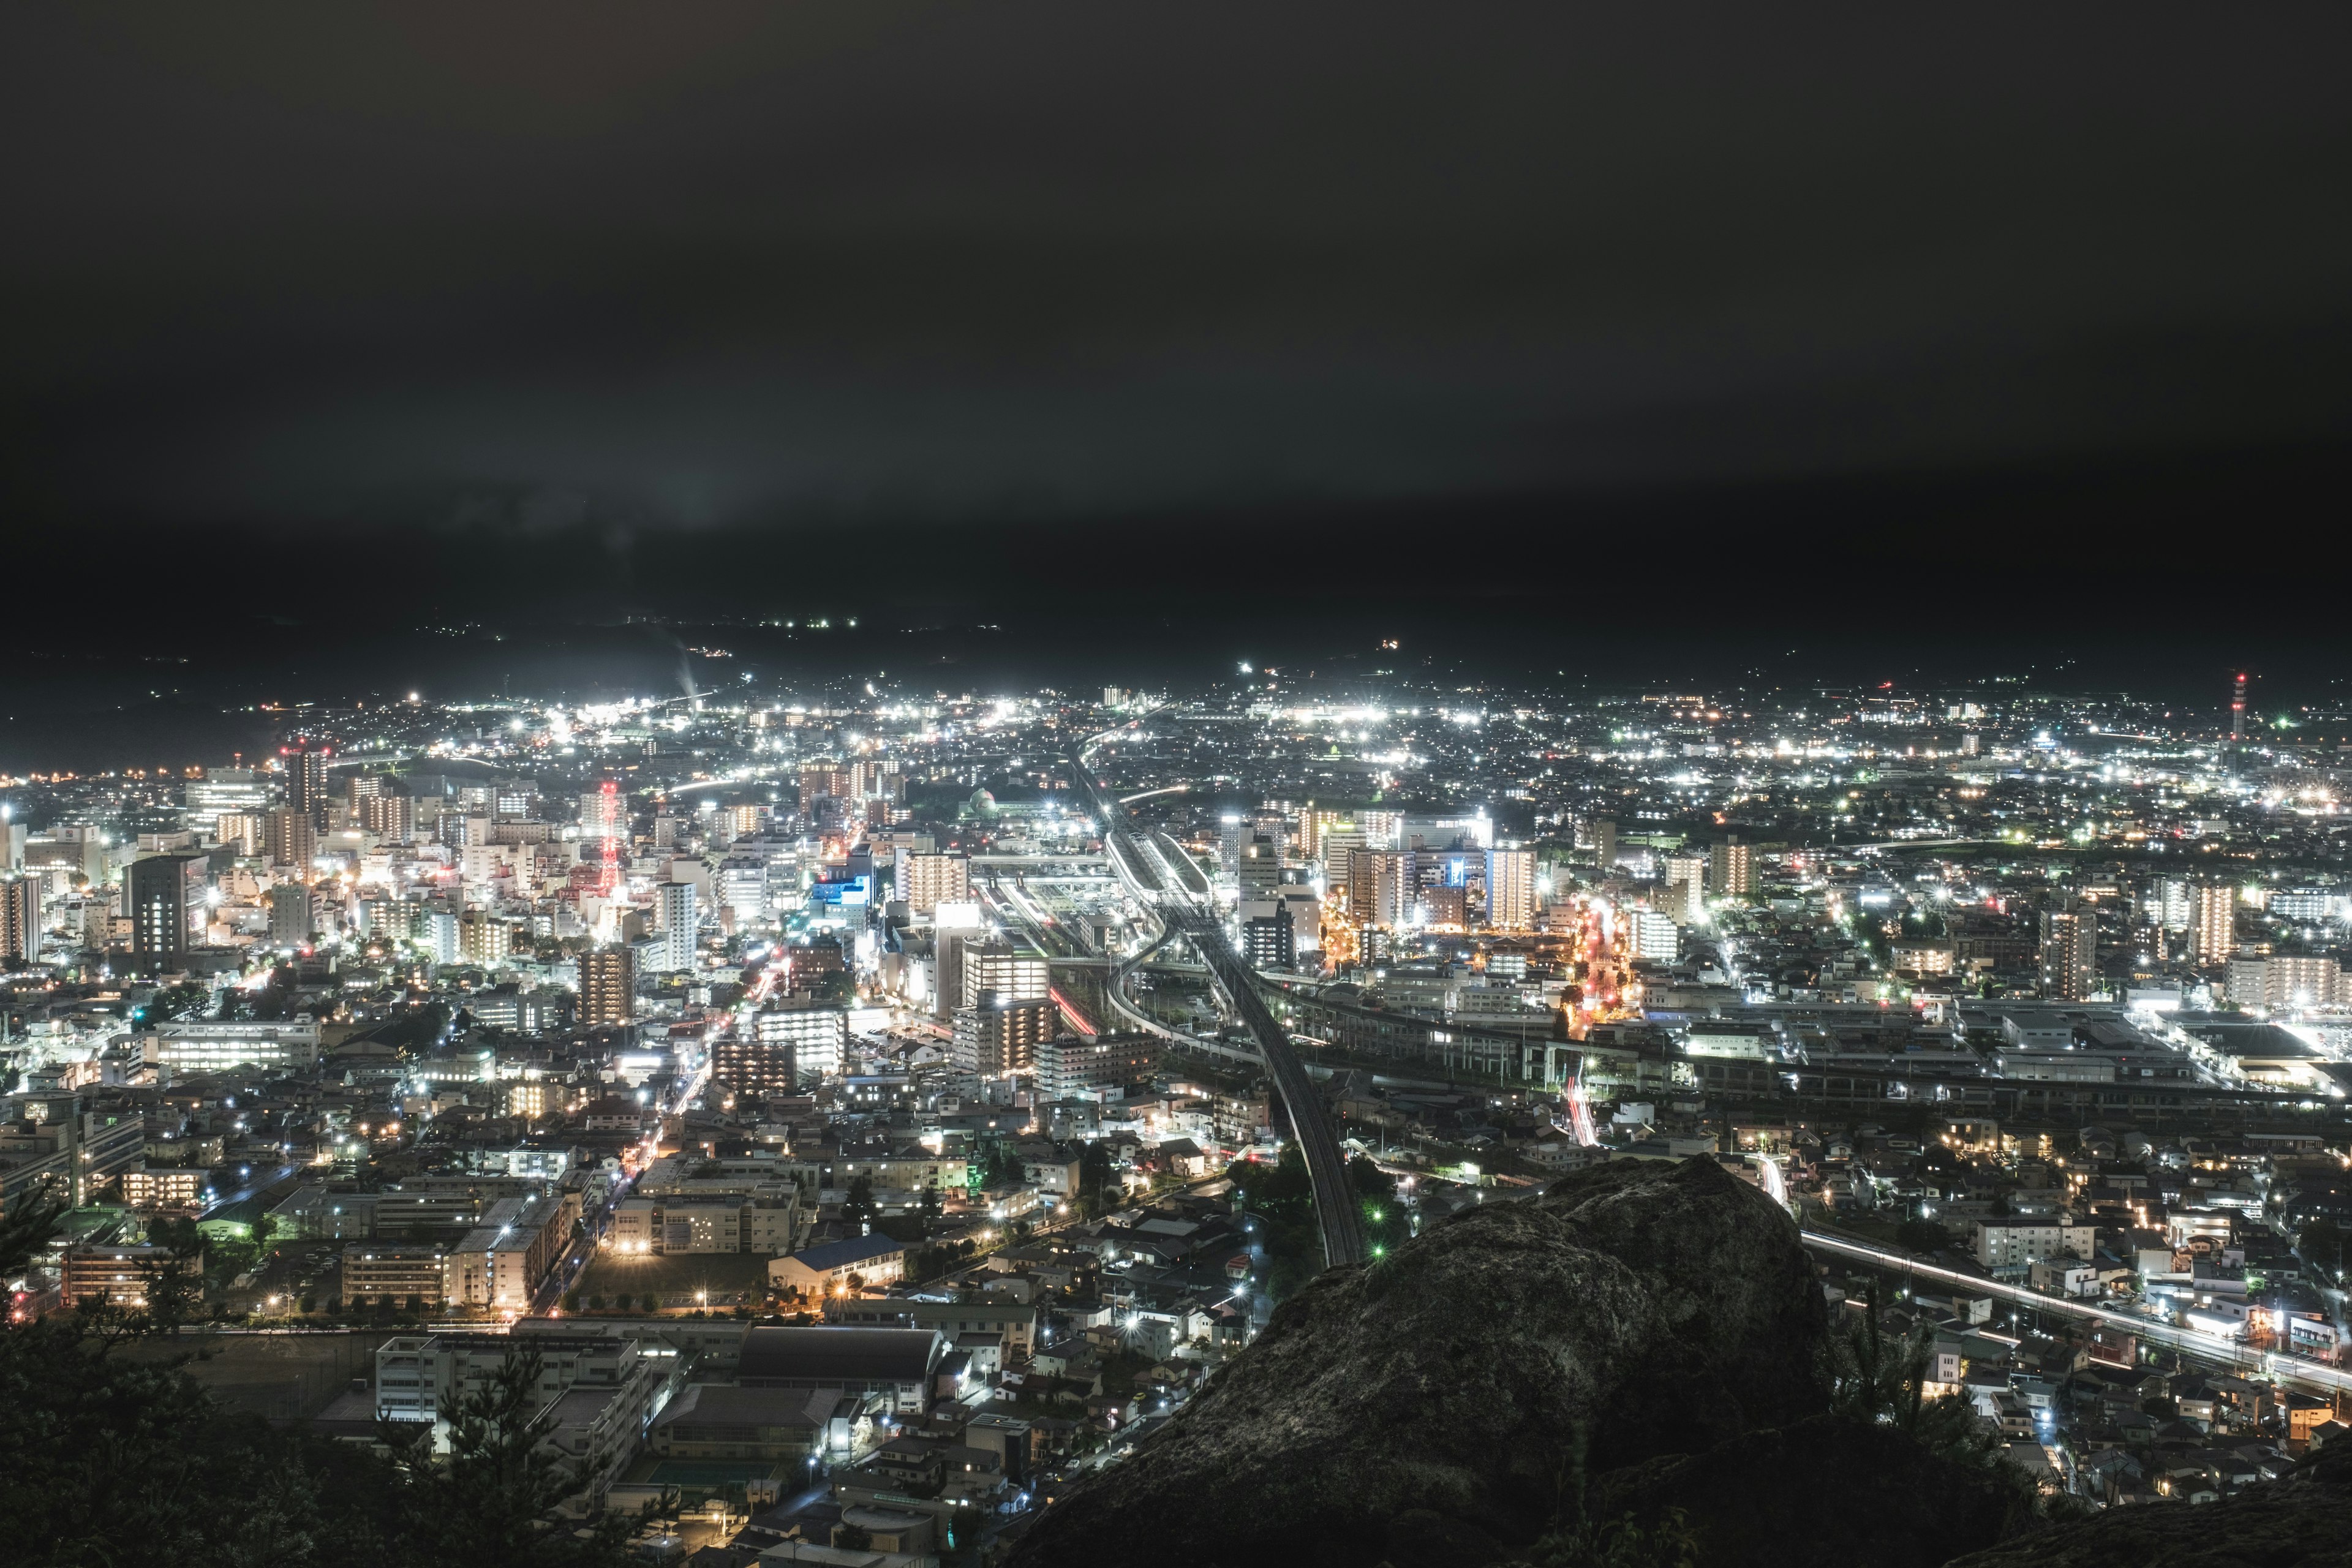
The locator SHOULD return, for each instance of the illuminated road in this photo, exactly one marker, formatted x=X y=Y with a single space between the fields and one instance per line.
x=253 y=1187
x=1171 y=888
x=2267 y=1364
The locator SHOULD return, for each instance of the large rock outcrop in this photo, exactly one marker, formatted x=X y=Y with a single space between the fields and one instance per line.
x=1655 y=1308
x=2302 y=1521
x=1828 y=1490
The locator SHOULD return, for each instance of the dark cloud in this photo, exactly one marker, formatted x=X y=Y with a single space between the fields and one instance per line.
x=601 y=271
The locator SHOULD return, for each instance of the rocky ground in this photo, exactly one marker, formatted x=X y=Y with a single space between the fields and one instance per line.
x=1654 y=1308
x=1640 y=1343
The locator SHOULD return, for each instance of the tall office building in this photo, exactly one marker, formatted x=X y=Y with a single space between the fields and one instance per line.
x=1268 y=940
x=676 y=914
x=20 y=921
x=1232 y=836
x=166 y=895
x=2238 y=709
x=1511 y=888
x=1730 y=870
x=743 y=887
x=2213 y=921
x=1260 y=869
x=292 y=914
x=1337 y=851
x=2070 y=952
x=289 y=837
x=306 y=779
x=234 y=790
x=931 y=880
x=608 y=987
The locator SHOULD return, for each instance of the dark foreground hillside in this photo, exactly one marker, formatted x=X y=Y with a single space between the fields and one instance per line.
x=1635 y=1368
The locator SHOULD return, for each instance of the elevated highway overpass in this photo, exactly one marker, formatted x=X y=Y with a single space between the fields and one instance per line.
x=1166 y=880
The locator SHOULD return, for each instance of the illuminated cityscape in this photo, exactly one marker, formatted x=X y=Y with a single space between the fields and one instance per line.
x=660 y=1027
x=1052 y=786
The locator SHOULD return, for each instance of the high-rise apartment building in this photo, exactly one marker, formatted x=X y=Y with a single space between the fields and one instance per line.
x=361 y=788
x=437 y=933
x=1233 y=835
x=825 y=779
x=20 y=921
x=608 y=987
x=1313 y=826
x=166 y=899
x=1604 y=834
x=2171 y=903
x=998 y=967
x=931 y=880
x=998 y=1036
x=306 y=779
x=602 y=814
x=1652 y=935
x=2213 y=921
x=2287 y=980
x=1685 y=899
x=2070 y=949
x=1510 y=888
x=813 y=1042
x=1730 y=870
x=482 y=939
x=392 y=817
x=676 y=914
x=289 y=837
x=1382 y=887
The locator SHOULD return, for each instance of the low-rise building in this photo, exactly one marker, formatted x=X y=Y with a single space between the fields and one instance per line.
x=372 y=1273
x=900 y=1365
x=727 y=1421
x=2015 y=1241
x=824 y=1271
x=164 y=1187
x=117 y=1274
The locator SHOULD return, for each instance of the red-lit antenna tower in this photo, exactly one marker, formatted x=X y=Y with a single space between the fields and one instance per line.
x=608 y=844
x=2238 y=709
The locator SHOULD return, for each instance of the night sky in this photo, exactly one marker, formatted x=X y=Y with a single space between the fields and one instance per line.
x=1852 y=322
